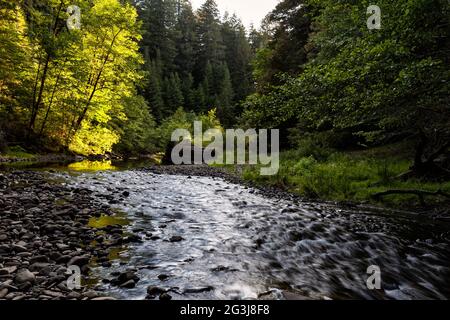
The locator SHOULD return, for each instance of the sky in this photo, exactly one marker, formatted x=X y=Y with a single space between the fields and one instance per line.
x=250 y=11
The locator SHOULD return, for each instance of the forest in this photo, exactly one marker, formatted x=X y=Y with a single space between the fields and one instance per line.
x=361 y=111
x=102 y=102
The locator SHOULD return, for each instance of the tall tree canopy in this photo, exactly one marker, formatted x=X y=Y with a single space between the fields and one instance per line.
x=74 y=81
x=375 y=86
x=195 y=60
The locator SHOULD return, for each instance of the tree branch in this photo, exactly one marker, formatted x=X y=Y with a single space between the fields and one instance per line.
x=420 y=193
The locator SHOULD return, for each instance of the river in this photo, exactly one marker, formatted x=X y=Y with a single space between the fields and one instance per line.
x=205 y=238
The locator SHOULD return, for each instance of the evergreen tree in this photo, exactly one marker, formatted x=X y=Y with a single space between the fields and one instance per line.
x=210 y=47
x=185 y=29
x=238 y=56
x=224 y=98
x=173 y=95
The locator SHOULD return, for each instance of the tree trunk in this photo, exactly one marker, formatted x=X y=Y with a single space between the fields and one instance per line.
x=97 y=79
x=37 y=103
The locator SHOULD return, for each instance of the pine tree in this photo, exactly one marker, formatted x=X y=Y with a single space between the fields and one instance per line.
x=224 y=98
x=238 y=56
x=159 y=19
x=185 y=30
x=153 y=90
x=210 y=46
x=173 y=95
x=187 y=86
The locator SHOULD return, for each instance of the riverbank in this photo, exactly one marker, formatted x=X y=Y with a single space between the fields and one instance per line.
x=18 y=155
x=43 y=231
x=145 y=233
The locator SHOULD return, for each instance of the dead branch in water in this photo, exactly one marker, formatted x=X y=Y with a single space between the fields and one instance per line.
x=419 y=193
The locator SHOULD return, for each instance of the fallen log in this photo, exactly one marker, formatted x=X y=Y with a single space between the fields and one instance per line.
x=419 y=193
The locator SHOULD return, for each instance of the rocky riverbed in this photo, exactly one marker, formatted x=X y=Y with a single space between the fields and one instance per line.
x=44 y=230
x=201 y=233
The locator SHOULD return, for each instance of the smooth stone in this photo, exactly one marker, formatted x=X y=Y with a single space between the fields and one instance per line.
x=163 y=277
x=127 y=276
x=38 y=259
x=3 y=293
x=104 y=299
x=38 y=266
x=18 y=248
x=128 y=285
x=24 y=275
x=4 y=272
x=79 y=261
x=19 y=297
x=64 y=259
x=198 y=290
x=90 y=294
x=53 y=294
x=165 y=296
x=153 y=291
x=294 y=296
x=73 y=295
x=176 y=239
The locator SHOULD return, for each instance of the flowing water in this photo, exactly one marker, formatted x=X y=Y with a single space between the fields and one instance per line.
x=239 y=244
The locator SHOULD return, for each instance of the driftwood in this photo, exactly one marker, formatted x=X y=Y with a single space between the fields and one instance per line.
x=420 y=193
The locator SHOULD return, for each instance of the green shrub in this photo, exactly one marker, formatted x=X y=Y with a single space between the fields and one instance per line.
x=342 y=177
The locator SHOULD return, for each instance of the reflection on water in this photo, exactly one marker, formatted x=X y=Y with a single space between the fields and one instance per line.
x=216 y=240
x=80 y=166
x=105 y=221
x=87 y=166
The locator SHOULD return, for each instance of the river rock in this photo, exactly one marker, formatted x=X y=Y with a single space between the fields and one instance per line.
x=153 y=291
x=79 y=261
x=165 y=297
x=294 y=296
x=64 y=259
x=4 y=272
x=53 y=294
x=124 y=278
x=198 y=290
x=8 y=270
x=128 y=285
x=3 y=293
x=176 y=239
x=18 y=248
x=91 y=294
x=163 y=277
x=24 y=275
x=38 y=259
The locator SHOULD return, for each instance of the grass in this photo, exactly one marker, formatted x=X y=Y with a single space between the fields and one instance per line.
x=17 y=152
x=345 y=176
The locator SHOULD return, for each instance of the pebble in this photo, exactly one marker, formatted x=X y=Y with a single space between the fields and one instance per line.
x=176 y=239
x=128 y=285
x=24 y=275
x=79 y=261
x=163 y=277
x=40 y=237
x=165 y=296
x=153 y=291
x=3 y=293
